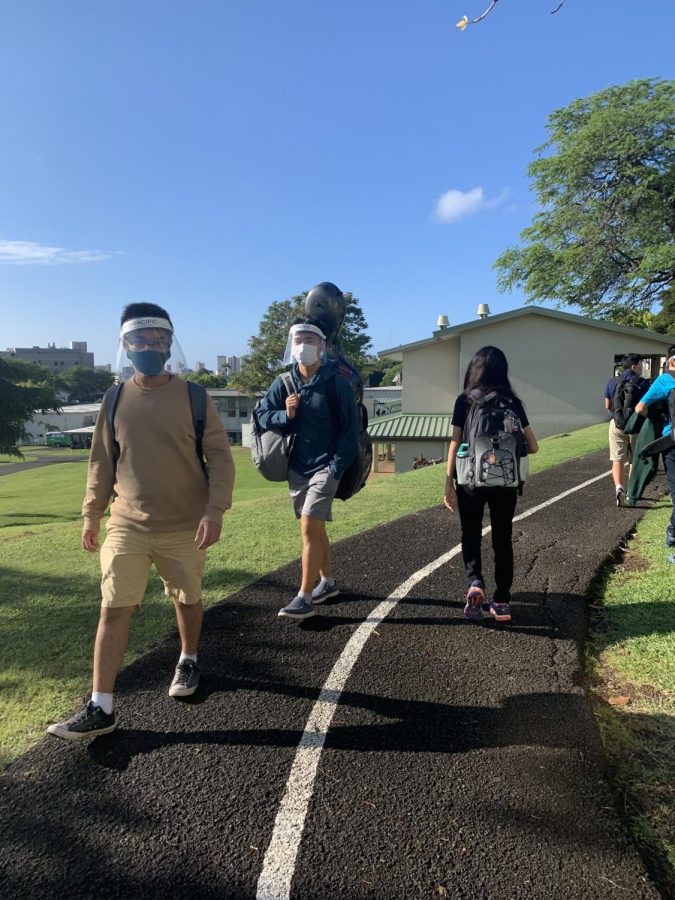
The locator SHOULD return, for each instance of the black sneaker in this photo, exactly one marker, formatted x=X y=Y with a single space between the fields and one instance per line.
x=670 y=536
x=186 y=680
x=89 y=721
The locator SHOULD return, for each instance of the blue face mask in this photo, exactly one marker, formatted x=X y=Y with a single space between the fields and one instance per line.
x=147 y=362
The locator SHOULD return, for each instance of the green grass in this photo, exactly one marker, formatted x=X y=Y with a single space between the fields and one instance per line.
x=633 y=662
x=49 y=588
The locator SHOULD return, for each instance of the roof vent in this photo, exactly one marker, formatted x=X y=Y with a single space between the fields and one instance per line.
x=442 y=322
x=483 y=311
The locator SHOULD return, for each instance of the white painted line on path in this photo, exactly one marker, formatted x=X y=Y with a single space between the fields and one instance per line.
x=279 y=863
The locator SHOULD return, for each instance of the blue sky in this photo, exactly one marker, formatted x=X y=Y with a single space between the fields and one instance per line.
x=215 y=156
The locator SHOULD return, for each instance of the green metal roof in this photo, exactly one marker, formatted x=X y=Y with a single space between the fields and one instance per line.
x=412 y=427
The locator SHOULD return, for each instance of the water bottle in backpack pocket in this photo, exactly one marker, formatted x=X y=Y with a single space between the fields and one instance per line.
x=462 y=464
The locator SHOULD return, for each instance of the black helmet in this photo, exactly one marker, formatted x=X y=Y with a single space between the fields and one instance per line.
x=326 y=303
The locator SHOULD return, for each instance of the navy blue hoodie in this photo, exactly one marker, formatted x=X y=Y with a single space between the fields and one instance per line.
x=323 y=437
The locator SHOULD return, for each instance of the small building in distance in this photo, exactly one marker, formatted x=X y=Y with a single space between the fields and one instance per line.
x=52 y=357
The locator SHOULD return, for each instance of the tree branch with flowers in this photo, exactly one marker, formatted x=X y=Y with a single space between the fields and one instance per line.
x=465 y=20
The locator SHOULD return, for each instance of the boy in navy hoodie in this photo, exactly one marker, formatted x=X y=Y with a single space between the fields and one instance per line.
x=321 y=415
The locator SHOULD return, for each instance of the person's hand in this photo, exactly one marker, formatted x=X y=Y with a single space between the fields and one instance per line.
x=207 y=533
x=450 y=498
x=90 y=540
x=292 y=403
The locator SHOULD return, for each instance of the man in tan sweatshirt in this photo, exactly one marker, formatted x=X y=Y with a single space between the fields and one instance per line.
x=166 y=509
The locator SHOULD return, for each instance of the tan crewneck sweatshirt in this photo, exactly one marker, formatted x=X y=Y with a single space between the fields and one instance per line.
x=158 y=483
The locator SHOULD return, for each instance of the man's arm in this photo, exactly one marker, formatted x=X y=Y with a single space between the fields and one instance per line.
x=658 y=390
x=608 y=405
x=348 y=437
x=272 y=410
x=100 y=481
x=220 y=469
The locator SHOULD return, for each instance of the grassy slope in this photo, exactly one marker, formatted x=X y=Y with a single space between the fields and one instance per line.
x=49 y=587
x=634 y=661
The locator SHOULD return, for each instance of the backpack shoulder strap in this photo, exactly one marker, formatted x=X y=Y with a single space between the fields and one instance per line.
x=197 y=394
x=288 y=383
x=110 y=400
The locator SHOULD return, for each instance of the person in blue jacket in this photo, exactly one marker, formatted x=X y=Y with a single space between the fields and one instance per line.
x=321 y=415
x=660 y=391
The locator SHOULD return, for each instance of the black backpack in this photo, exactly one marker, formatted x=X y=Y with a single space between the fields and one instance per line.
x=197 y=393
x=627 y=395
x=357 y=473
x=493 y=452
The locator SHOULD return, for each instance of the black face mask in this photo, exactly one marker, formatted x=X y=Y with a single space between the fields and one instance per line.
x=147 y=362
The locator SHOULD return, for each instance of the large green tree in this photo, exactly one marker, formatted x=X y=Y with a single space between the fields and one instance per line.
x=82 y=384
x=664 y=321
x=264 y=361
x=24 y=390
x=604 y=237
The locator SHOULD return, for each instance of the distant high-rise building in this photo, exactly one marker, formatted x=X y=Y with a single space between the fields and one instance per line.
x=53 y=357
x=229 y=365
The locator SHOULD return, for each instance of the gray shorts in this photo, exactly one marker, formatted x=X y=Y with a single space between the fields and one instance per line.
x=313 y=495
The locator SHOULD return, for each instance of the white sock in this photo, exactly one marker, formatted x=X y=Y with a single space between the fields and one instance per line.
x=305 y=596
x=322 y=585
x=105 y=701
x=620 y=487
x=191 y=656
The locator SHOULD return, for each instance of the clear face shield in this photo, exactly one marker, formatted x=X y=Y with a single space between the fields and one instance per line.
x=148 y=345
x=306 y=344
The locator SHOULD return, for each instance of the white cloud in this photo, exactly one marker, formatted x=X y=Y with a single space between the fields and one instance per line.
x=454 y=204
x=30 y=253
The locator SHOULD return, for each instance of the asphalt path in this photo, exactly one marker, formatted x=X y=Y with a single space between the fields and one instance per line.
x=461 y=761
x=41 y=461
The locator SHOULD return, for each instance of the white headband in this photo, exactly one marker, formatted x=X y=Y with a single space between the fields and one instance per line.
x=296 y=329
x=146 y=322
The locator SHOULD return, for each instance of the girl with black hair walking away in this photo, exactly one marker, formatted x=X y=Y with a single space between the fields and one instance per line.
x=491 y=439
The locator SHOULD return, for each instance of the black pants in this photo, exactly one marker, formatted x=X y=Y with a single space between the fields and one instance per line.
x=669 y=462
x=502 y=505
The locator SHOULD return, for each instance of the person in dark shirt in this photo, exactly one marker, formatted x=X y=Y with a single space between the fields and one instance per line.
x=622 y=446
x=321 y=415
x=487 y=372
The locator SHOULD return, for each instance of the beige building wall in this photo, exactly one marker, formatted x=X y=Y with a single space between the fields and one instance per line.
x=431 y=377
x=559 y=369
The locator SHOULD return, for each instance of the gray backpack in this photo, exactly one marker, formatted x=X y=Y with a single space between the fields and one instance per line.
x=493 y=453
x=271 y=449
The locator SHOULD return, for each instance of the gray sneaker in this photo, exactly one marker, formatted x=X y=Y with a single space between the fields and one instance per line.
x=185 y=680
x=298 y=608
x=326 y=593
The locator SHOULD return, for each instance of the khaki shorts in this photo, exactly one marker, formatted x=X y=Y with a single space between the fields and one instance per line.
x=313 y=495
x=127 y=557
x=621 y=446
